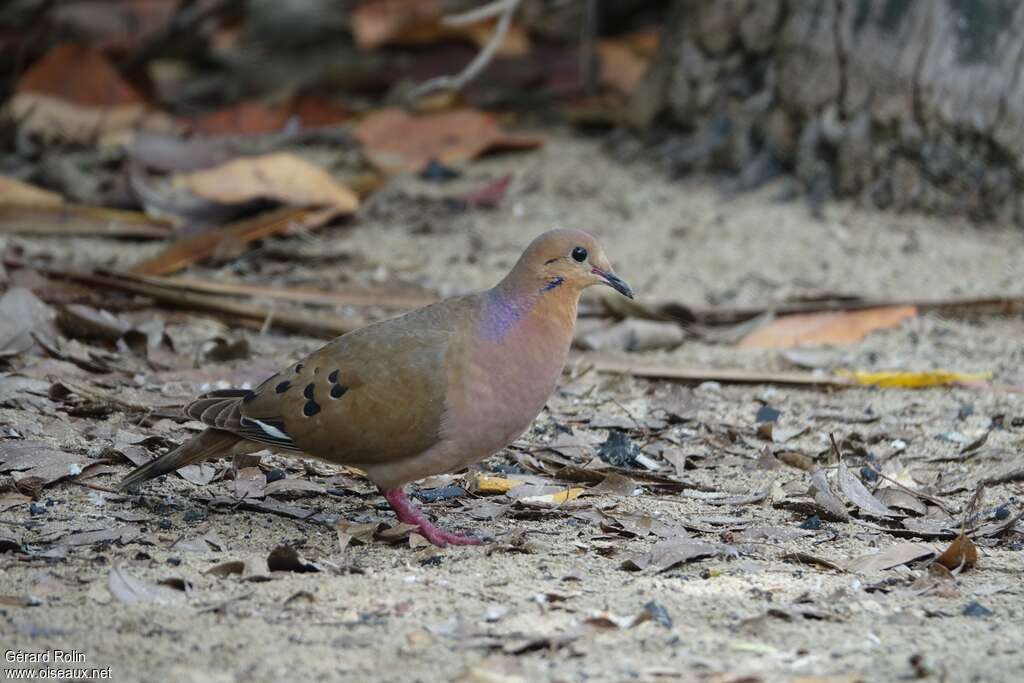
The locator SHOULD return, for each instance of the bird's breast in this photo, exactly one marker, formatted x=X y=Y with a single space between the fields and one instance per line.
x=503 y=386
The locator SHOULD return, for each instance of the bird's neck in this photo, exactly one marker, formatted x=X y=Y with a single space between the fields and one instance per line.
x=517 y=305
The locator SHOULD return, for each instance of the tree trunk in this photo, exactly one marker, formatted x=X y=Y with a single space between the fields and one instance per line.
x=906 y=104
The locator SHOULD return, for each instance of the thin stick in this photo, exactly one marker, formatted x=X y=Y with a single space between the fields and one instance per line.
x=482 y=59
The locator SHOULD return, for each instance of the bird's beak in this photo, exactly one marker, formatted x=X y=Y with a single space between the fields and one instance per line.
x=614 y=281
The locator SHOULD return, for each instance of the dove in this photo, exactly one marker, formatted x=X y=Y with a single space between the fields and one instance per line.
x=429 y=392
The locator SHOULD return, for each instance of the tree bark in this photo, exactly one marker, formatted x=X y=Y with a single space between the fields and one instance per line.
x=910 y=105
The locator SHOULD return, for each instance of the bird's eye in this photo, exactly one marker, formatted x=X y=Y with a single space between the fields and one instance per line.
x=579 y=254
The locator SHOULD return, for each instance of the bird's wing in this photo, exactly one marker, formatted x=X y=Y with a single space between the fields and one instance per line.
x=371 y=396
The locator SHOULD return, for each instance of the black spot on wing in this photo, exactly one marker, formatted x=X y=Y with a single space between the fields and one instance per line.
x=333 y=377
x=337 y=391
x=283 y=387
x=311 y=408
x=308 y=391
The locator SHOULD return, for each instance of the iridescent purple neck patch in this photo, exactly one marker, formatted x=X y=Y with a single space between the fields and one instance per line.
x=501 y=313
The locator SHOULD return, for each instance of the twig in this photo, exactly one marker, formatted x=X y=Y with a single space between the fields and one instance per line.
x=482 y=59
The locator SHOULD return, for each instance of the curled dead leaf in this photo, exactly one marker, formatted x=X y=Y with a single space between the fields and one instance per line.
x=961 y=554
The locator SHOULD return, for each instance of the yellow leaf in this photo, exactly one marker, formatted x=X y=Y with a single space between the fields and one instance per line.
x=485 y=483
x=913 y=380
x=567 y=495
x=557 y=498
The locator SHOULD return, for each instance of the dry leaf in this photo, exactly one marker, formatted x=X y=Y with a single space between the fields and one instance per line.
x=75 y=93
x=556 y=498
x=250 y=482
x=226 y=568
x=280 y=176
x=838 y=327
x=914 y=380
x=349 y=531
x=961 y=554
x=828 y=500
x=669 y=553
x=395 y=141
x=893 y=556
x=486 y=483
x=14 y=191
x=624 y=59
x=857 y=493
x=22 y=317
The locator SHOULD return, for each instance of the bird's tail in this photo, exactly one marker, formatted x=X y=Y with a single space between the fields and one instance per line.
x=211 y=443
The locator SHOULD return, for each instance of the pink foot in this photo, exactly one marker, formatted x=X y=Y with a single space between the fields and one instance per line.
x=410 y=514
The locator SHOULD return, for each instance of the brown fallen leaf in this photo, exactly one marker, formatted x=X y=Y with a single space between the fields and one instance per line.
x=670 y=553
x=826 y=498
x=857 y=493
x=396 y=141
x=624 y=59
x=280 y=176
x=837 y=328
x=24 y=320
x=75 y=93
x=250 y=482
x=893 y=556
x=226 y=568
x=901 y=499
x=961 y=554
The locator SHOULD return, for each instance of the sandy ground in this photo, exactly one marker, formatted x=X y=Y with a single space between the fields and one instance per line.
x=550 y=599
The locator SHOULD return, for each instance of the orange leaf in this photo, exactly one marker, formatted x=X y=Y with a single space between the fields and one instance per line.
x=961 y=554
x=75 y=93
x=79 y=75
x=624 y=59
x=394 y=141
x=828 y=327
x=244 y=118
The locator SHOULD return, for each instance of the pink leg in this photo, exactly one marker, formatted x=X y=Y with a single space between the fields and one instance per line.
x=410 y=514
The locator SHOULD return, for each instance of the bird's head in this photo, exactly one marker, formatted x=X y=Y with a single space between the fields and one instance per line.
x=569 y=259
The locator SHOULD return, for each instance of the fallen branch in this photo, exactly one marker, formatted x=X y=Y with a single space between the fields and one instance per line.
x=317 y=324
x=77 y=219
x=185 y=251
x=667 y=370
x=669 y=310
x=402 y=302
x=506 y=8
